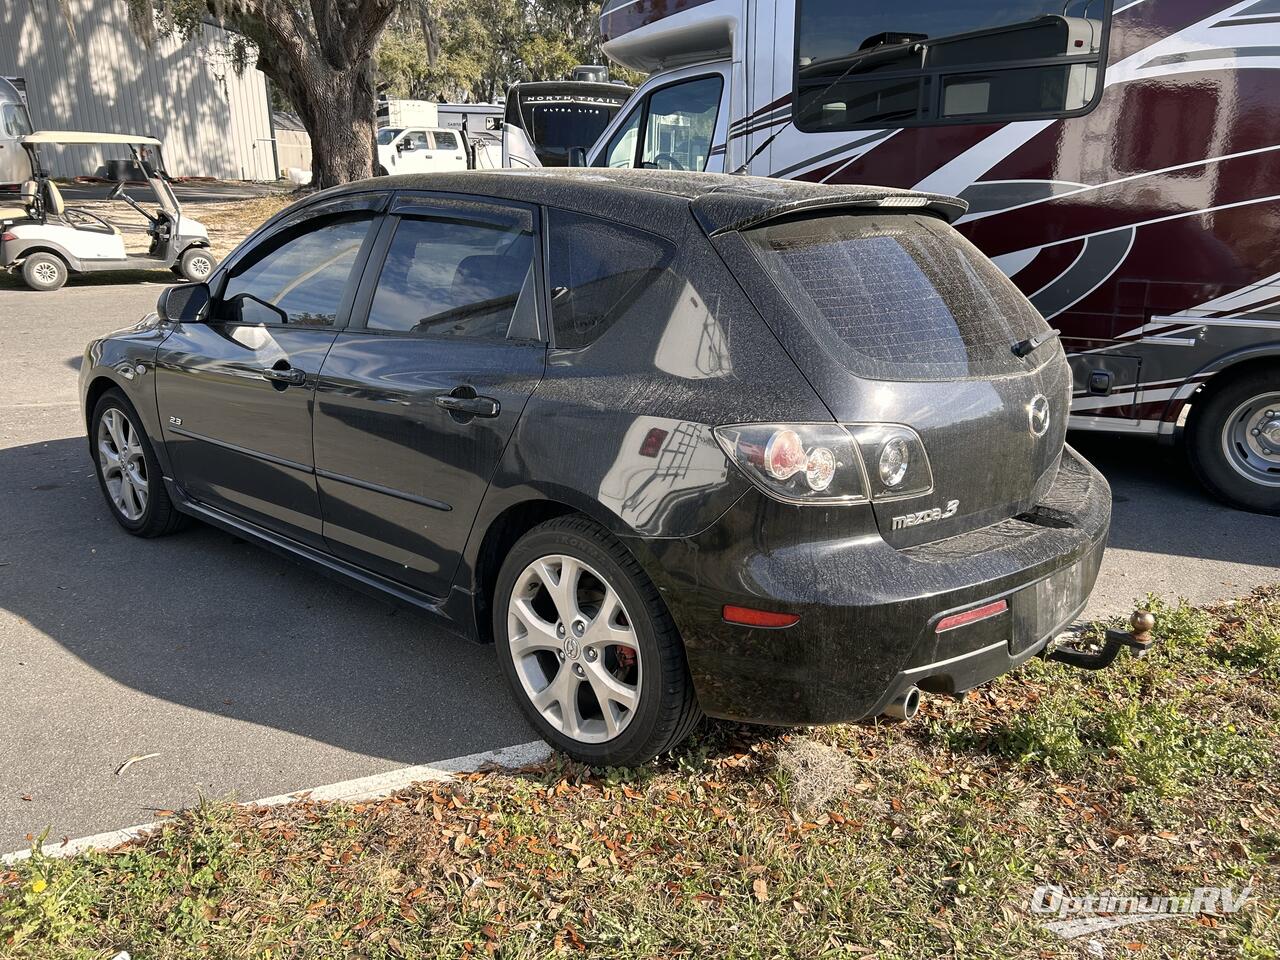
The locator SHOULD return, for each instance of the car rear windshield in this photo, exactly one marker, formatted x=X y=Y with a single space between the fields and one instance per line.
x=898 y=297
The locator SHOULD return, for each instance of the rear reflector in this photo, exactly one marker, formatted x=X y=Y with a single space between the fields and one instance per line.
x=759 y=618
x=985 y=612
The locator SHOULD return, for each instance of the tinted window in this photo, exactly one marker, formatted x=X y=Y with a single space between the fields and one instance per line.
x=459 y=274
x=300 y=281
x=902 y=297
x=889 y=63
x=680 y=124
x=597 y=270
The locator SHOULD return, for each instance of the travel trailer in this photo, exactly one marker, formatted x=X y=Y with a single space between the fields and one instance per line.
x=1121 y=163
x=15 y=123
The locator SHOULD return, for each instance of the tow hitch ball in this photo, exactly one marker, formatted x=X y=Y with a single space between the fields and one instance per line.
x=1138 y=639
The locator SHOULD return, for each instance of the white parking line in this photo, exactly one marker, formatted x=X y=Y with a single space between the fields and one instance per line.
x=347 y=791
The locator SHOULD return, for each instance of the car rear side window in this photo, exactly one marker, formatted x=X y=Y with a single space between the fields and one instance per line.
x=462 y=272
x=300 y=281
x=597 y=270
x=898 y=297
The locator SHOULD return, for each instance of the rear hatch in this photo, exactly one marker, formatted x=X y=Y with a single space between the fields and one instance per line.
x=896 y=318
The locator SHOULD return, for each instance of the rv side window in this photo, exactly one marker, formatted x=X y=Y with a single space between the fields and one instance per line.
x=890 y=64
x=671 y=129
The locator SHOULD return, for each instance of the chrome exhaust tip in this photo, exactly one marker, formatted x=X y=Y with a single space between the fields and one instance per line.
x=905 y=705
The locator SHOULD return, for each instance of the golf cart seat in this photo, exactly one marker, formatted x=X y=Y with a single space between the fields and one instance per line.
x=27 y=195
x=75 y=217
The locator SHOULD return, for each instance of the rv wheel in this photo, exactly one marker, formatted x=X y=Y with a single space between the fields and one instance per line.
x=1233 y=439
x=44 y=271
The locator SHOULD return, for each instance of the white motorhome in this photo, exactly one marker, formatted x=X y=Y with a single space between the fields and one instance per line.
x=15 y=123
x=1119 y=159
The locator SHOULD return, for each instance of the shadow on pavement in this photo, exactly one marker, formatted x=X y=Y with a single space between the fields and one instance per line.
x=1161 y=507
x=213 y=623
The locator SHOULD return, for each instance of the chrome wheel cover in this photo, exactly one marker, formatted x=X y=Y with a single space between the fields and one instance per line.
x=574 y=648
x=1251 y=439
x=123 y=464
x=200 y=266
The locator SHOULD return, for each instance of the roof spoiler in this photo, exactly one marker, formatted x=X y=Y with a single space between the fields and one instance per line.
x=730 y=211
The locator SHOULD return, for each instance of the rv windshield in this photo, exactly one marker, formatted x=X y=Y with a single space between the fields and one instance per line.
x=882 y=62
x=387 y=134
x=898 y=297
x=555 y=127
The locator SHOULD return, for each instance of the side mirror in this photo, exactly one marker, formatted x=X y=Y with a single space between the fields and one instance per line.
x=406 y=146
x=183 y=303
x=577 y=156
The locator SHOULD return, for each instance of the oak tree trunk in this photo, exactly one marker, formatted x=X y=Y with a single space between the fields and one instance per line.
x=337 y=106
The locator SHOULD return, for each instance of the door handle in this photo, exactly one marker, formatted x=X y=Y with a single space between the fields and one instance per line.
x=469 y=406
x=286 y=375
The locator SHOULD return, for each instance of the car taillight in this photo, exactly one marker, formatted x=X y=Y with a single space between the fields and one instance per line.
x=4 y=237
x=829 y=462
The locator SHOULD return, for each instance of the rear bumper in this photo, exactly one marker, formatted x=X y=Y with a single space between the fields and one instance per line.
x=869 y=613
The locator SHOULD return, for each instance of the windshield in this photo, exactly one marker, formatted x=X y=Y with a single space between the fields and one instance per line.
x=13 y=120
x=387 y=134
x=555 y=127
x=898 y=297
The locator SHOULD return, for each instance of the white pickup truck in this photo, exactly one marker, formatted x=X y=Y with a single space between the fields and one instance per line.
x=419 y=150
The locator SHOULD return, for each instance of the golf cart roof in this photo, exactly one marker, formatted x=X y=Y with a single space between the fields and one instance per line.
x=82 y=136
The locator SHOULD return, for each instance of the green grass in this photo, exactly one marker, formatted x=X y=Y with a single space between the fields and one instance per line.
x=888 y=840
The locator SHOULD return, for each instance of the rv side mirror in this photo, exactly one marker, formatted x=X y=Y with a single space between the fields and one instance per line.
x=183 y=303
x=577 y=156
x=493 y=123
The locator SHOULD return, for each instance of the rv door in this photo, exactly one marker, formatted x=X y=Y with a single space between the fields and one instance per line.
x=677 y=120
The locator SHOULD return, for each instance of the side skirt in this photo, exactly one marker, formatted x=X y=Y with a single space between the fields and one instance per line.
x=454 y=613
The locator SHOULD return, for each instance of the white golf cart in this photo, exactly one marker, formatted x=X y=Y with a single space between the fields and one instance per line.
x=44 y=238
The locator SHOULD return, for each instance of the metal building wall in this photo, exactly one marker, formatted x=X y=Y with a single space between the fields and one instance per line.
x=213 y=121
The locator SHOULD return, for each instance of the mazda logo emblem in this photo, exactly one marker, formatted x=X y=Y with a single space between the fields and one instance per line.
x=1038 y=415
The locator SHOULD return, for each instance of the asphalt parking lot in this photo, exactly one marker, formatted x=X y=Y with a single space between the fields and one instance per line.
x=252 y=676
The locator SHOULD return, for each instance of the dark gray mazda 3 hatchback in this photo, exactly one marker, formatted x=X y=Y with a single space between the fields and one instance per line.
x=677 y=443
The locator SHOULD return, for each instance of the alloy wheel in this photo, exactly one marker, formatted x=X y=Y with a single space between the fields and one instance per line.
x=1251 y=439
x=574 y=648
x=123 y=463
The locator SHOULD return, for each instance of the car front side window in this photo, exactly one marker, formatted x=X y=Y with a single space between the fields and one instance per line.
x=300 y=281
x=462 y=272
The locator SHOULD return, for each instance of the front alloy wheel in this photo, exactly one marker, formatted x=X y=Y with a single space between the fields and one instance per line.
x=128 y=471
x=123 y=464
x=588 y=647
x=574 y=649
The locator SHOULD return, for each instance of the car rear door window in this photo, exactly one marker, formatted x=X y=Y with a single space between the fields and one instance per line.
x=897 y=297
x=300 y=281
x=597 y=269
x=445 y=140
x=462 y=271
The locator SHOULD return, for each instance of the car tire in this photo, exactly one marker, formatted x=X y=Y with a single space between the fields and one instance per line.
x=132 y=484
x=632 y=651
x=44 y=271
x=379 y=170
x=1233 y=445
x=196 y=264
